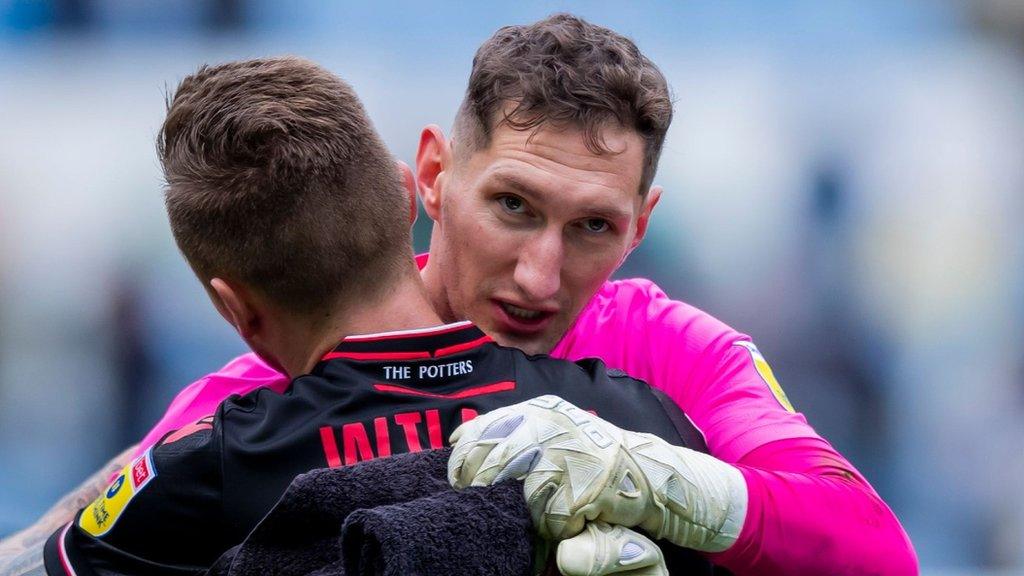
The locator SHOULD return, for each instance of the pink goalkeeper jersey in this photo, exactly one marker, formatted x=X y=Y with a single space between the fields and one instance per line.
x=809 y=511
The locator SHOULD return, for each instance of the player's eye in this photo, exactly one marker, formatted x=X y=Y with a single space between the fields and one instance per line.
x=596 y=225
x=512 y=203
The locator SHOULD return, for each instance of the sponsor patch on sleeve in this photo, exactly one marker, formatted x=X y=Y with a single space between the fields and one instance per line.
x=99 y=517
x=766 y=374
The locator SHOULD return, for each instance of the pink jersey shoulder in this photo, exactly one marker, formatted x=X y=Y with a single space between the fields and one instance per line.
x=640 y=309
x=201 y=398
x=713 y=372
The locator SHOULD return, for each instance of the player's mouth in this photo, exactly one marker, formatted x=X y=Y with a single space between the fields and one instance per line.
x=520 y=319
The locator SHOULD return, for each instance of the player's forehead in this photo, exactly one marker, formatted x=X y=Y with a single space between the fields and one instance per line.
x=557 y=163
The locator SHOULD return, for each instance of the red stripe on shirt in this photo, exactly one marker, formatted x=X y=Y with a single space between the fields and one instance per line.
x=464 y=393
x=378 y=355
x=415 y=355
x=455 y=349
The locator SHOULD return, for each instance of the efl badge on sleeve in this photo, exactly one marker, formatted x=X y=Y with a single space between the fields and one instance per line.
x=99 y=517
x=766 y=374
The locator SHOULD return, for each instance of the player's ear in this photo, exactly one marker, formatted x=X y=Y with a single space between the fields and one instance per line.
x=235 y=306
x=649 y=202
x=409 y=183
x=433 y=158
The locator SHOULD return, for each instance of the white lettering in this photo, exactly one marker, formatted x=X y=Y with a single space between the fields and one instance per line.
x=445 y=370
x=397 y=372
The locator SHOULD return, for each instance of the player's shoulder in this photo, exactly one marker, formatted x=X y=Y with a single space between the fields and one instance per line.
x=160 y=510
x=639 y=307
x=296 y=402
x=590 y=370
x=615 y=396
x=240 y=413
x=241 y=375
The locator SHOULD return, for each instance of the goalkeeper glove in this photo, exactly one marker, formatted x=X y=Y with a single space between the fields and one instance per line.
x=605 y=549
x=577 y=467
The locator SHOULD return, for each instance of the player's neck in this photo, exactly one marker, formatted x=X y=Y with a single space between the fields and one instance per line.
x=402 y=306
x=432 y=280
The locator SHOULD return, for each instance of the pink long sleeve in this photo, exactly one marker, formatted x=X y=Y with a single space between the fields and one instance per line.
x=810 y=512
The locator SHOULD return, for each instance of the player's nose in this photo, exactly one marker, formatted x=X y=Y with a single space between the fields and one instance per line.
x=538 y=270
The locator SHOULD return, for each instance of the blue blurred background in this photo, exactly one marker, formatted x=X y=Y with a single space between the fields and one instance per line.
x=843 y=182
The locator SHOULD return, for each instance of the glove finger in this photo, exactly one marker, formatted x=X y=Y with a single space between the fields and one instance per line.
x=604 y=549
x=464 y=441
x=469 y=430
x=514 y=453
x=556 y=519
x=470 y=457
x=484 y=445
x=456 y=462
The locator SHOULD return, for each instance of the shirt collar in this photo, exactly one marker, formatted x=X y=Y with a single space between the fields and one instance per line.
x=417 y=344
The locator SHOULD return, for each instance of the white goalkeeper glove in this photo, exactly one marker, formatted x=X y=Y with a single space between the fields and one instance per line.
x=577 y=467
x=605 y=549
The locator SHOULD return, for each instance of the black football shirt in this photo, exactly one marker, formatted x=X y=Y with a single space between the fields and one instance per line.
x=201 y=489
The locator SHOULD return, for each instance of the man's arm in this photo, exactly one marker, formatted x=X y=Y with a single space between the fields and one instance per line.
x=811 y=512
x=28 y=563
x=724 y=385
x=822 y=519
x=800 y=488
x=22 y=553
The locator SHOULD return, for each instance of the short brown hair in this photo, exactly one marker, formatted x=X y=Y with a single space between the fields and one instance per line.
x=565 y=71
x=277 y=178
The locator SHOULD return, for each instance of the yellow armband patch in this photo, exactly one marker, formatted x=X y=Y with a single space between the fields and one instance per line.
x=766 y=374
x=99 y=517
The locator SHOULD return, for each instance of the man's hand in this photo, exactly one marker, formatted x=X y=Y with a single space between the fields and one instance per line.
x=605 y=549
x=577 y=467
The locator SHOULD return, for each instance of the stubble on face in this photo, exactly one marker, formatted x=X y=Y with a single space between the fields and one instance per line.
x=523 y=269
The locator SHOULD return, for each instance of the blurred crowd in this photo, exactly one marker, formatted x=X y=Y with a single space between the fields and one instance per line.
x=844 y=182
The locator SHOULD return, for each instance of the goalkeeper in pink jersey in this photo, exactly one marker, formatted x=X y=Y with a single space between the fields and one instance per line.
x=542 y=191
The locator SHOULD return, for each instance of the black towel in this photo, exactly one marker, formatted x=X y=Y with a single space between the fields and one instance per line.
x=302 y=532
x=483 y=531
x=301 y=535
x=398 y=515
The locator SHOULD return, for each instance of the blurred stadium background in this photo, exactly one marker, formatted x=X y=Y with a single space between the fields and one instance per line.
x=843 y=182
